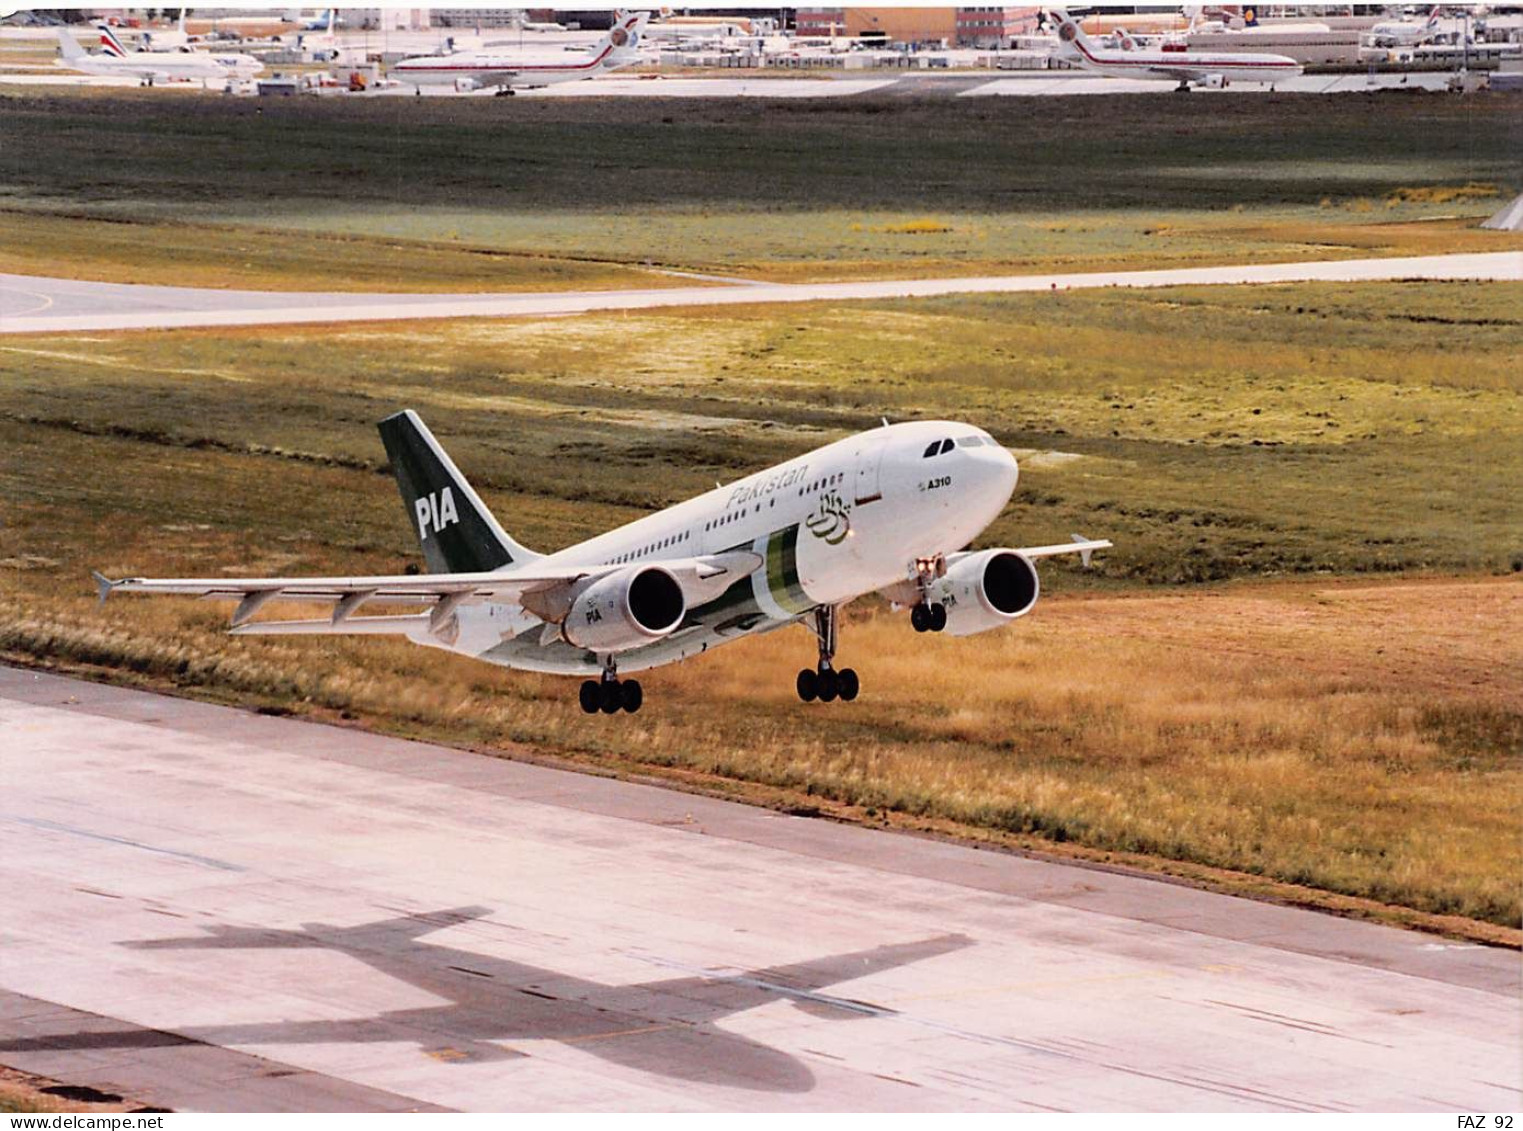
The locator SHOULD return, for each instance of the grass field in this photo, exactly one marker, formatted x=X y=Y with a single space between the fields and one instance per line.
x=496 y=193
x=174 y=253
x=1283 y=726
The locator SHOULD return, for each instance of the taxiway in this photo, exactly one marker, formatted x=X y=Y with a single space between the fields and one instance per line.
x=35 y=304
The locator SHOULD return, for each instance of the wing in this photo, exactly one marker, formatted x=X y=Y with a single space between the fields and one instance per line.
x=545 y=592
x=1180 y=74
x=494 y=78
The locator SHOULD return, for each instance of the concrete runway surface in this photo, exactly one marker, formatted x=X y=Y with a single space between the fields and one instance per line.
x=209 y=908
x=36 y=304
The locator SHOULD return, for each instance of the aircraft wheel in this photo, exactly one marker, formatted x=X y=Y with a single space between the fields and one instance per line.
x=920 y=618
x=938 y=617
x=830 y=685
x=849 y=685
x=633 y=695
x=808 y=685
x=591 y=696
x=611 y=695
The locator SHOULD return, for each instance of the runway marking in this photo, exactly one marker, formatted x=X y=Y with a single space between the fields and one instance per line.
x=47 y=301
x=54 y=826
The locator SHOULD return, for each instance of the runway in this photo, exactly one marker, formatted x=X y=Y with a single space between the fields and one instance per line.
x=208 y=908
x=35 y=304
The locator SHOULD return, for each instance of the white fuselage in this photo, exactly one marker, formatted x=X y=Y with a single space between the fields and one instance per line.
x=1183 y=66
x=496 y=68
x=1402 y=33
x=160 y=66
x=840 y=522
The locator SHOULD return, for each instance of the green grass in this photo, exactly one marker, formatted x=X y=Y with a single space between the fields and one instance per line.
x=820 y=188
x=177 y=253
x=1213 y=433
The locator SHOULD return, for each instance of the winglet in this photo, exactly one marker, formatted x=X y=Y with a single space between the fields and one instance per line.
x=1084 y=555
x=103 y=585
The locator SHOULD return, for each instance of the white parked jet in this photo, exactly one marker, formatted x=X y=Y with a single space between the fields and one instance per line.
x=1404 y=32
x=505 y=70
x=149 y=67
x=888 y=510
x=1171 y=61
x=167 y=40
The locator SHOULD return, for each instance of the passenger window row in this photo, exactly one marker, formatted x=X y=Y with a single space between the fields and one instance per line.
x=645 y=551
x=822 y=483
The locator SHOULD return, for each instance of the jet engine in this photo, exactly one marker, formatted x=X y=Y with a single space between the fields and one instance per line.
x=1214 y=82
x=465 y=86
x=987 y=590
x=624 y=610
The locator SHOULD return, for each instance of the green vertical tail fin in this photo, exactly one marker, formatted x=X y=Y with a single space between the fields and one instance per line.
x=457 y=532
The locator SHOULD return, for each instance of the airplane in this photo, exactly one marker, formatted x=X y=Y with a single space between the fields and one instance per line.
x=323 y=22
x=1173 y=61
x=167 y=40
x=888 y=510
x=479 y=1004
x=1251 y=26
x=474 y=70
x=1403 y=33
x=149 y=67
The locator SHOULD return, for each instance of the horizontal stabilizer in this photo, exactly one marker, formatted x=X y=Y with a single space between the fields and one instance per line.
x=103 y=584
x=1080 y=545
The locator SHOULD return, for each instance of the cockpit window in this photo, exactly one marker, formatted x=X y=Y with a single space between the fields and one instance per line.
x=946 y=446
x=932 y=450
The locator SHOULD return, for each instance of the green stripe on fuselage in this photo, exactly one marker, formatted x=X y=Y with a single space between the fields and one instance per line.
x=783 y=571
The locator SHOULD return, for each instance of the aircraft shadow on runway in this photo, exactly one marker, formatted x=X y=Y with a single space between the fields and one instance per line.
x=667 y=1027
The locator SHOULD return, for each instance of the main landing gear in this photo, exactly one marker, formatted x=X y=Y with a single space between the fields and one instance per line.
x=928 y=615
x=824 y=682
x=611 y=694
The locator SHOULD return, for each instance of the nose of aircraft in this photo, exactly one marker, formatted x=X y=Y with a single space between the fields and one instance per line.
x=1004 y=472
x=996 y=472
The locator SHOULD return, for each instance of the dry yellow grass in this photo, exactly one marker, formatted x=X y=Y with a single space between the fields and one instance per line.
x=1444 y=194
x=1356 y=739
x=28 y=1092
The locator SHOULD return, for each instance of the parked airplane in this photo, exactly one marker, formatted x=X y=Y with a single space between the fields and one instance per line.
x=1403 y=33
x=169 y=39
x=1172 y=61
x=149 y=67
x=887 y=510
x=473 y=70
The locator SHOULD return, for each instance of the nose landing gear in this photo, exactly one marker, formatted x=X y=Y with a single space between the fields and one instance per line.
x=825 y=683
x=610 y=694
x=928 y=615
x=929 y=618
